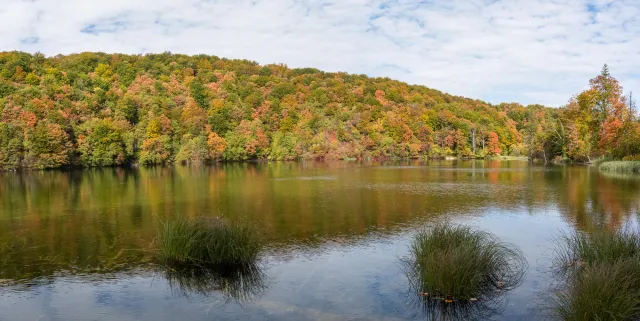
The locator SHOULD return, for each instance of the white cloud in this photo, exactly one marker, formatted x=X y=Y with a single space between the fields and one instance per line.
x=532 y=51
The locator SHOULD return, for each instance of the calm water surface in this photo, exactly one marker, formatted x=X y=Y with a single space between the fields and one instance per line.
x=79 y=245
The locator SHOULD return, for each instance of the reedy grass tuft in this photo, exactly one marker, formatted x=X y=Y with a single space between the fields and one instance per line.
x=620 y=166
x=602 y=273
x=208 y=241
x=456 y=263
x=606 y=291
x=580 y=249
x=598 y=161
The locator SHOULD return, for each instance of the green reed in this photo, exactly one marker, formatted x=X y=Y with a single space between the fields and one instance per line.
x=208 y=241
x=602 y=272
x=621 y=166
x=457 y=263
x=603 y=291
x=581 y=249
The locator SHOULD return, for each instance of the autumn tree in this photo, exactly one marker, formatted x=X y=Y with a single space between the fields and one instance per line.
x=47 y=146
x=599 y=118
x=193 y=150
x=11 y=146
x=193 y=118
x=217 y=145
x=100 y=143
x=156 y=147
x=493 y=144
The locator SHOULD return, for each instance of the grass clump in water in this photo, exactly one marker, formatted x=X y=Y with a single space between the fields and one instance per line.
x=461 y=264
x=602 y=292
x=580 y=249
x=602 y=272
x=208 y=241
x=621 y=166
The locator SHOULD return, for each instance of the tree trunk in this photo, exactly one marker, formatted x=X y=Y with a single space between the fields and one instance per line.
x=631 y=106
x=473 y=140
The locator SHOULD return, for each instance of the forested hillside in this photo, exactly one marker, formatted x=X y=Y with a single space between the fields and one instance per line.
x=96 y=109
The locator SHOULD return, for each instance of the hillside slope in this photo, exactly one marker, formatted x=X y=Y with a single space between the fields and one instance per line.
x=96 y=109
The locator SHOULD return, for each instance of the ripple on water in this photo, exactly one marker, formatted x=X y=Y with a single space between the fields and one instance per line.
x=307 y=178
x=422 y=188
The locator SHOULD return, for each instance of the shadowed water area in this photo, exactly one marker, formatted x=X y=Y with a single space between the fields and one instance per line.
x=80 y=245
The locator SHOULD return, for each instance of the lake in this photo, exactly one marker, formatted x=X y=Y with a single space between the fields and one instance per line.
x=79 y=245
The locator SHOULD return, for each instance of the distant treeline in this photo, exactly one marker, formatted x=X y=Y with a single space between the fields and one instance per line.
x=96 y=109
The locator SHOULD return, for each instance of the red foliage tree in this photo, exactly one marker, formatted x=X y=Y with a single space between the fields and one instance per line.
x=493 y=144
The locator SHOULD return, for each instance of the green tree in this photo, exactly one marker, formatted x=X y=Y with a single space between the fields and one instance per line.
x=47 y=146
x=101 y=143
x=11 y=146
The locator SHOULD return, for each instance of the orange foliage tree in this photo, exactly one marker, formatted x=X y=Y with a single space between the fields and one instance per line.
x=493 y=144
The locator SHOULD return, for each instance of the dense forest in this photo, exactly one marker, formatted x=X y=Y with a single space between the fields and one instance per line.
x=96 y=109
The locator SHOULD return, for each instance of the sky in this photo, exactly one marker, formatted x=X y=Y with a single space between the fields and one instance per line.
x=527 y=51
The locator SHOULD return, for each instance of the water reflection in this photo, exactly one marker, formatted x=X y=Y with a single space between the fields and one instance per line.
x=23 y=258
x=438 y=310
x=593 y=200
x=239 y=283
x=107 y=218
x=94 y=223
